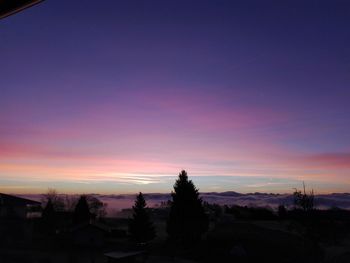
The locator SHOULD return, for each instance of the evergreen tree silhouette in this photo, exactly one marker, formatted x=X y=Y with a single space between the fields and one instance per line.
x=187 y=220
x=49 y=210
x=81 y=212
x=140 y=226
x=48 y=217
x=282 y=212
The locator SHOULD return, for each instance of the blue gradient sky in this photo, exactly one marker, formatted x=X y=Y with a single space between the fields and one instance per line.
x=117 y=93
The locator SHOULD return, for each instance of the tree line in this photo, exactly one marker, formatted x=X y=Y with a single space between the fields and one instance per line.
x=187 y=220
x=186 y=223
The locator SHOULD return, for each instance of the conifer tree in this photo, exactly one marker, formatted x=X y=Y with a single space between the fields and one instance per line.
x=187 y=220
x=140 y=226
x=49 y=210
x=81 y=212
x=48 y=217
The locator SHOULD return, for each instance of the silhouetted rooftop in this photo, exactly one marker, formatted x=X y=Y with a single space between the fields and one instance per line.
x=11 y=200
x=98 y=226
x=9 y=7
x=123 y=255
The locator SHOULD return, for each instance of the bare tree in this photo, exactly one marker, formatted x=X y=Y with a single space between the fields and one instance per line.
x=70 y=201
x=97 y=208
x=55 y=199
x=303 y=200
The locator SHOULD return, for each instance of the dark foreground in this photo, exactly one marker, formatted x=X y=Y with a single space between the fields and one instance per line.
x=236 y=234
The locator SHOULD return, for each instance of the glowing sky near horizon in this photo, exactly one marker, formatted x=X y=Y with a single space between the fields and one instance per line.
x=119 y=97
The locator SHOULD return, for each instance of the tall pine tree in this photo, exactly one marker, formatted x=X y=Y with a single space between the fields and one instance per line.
x=140 y=226
x=48 y=218
x=49 y=210
x=82 y=211
x=187 y=220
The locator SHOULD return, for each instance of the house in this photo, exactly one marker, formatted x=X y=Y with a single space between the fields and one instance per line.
x=126 y=256
x=16 y=207
x=15 y=229
x=89 y=235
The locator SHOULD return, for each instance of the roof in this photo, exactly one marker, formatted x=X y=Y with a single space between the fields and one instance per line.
x=10 y=7
x=11 y=200
x=122 y=254
x=83 y=226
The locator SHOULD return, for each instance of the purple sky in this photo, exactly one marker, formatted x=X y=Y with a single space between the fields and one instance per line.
x=117 y=96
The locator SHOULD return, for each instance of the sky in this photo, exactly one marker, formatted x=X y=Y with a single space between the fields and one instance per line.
x=120 y=96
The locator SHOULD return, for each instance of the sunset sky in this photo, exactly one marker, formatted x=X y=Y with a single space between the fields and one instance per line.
x=119 y=96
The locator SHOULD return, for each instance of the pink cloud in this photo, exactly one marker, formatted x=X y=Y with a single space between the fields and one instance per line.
x=207 y=135
x=330 y=160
